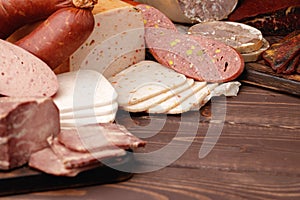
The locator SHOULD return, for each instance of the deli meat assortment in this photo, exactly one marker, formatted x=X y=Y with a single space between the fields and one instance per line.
x=68 y=66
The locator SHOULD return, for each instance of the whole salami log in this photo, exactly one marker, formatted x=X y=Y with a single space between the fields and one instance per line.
x=59 y=36
x=193 y=11
x=16 y=13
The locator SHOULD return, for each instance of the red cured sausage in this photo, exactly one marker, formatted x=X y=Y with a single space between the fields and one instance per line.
x=59 y=36
x=16 y=13
x=194 y=56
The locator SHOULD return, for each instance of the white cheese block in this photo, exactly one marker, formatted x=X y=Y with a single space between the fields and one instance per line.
x=144 y=80
x=146 y=104
x=191 y=102
x=83 y=89
x=174 y=101
x=90 y=112
x=67 y=123
x=242 y=37
x=116 y=42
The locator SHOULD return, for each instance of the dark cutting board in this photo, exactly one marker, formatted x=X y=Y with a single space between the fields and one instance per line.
x=261 y=75
x=25 y=179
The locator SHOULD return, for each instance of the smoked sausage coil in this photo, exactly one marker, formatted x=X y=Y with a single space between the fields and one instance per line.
x=17 y=13
x=59 y=36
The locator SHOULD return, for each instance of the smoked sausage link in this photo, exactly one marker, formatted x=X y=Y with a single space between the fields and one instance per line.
x=60 y=35
x=16 y=13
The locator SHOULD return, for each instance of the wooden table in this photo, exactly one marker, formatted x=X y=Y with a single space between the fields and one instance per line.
x=257 y=155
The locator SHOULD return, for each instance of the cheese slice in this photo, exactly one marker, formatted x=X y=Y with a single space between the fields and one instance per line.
x=116 y=42
x=174 y=101
x=67 y=123
x=191 y=102
x=144 y=80
x=83 y=89
x=146 y=104
x=90 y=112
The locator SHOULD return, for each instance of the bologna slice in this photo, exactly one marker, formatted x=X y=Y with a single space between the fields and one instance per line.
x=144 y=80
x=23 y=74
x=196 y=57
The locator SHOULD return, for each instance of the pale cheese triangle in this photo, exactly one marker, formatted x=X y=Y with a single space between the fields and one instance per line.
x=192 y=101
x=210 y=87
x=144 y=80
x=83 y=89
x=144 y=105
x=65 y=123
x=90 y=112
x=174 y=101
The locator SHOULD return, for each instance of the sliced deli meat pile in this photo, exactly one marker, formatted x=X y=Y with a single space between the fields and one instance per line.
x=116 y=42
x=26 y=123
x=79 y=149
x=23 y=74
x=85 y=97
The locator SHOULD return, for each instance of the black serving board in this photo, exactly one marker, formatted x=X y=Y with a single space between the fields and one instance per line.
x=26 y=179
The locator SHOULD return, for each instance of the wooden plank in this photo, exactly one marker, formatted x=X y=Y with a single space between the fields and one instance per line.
x=186 y=183
x=263 y=76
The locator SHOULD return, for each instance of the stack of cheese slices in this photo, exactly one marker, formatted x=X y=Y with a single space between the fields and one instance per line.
x=153 y=88
x=247 y=40
x=85 y=97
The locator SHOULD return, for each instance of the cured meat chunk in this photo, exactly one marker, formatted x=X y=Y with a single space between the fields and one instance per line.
x=25 y=125
x=271 y=17
x=279 y=54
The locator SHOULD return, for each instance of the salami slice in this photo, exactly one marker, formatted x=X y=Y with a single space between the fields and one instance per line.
x=197 y=57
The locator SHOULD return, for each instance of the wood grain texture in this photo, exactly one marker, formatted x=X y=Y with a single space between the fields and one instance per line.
x=256 y=157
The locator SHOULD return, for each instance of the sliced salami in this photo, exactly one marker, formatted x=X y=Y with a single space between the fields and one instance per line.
x=194 y=56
